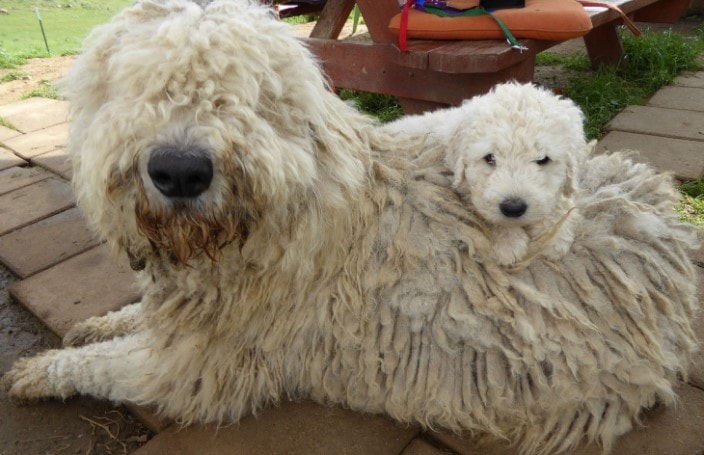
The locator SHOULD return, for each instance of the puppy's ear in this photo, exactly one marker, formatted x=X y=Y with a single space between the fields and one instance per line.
x=455 y=133
x=454 y=158
x=575 y=162
x=569 y=186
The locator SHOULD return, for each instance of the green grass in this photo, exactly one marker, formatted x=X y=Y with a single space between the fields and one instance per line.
x=654 y=59
x=691 y=210
x=45 y=90
x=385 y=108
x=691 y=206
x=575 y=62
x=12 y=76
x=693 y=189
x=66 y=24
x=293 y=20
x=7 y=124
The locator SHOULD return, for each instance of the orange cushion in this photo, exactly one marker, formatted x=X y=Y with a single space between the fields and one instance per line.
x=540 y=19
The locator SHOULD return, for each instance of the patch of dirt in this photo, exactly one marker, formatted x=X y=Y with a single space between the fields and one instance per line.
x=77 y=426
x=31 y=75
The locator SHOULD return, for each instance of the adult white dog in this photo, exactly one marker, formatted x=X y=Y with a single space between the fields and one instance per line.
x=292 y=248
x=514 y=153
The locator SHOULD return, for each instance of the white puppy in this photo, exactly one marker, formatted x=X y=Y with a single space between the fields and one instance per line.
x=514 y=153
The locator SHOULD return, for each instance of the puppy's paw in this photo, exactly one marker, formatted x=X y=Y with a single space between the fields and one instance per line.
x=510 y=246
x=559 y=249
x=32 y=379
x=561 y=244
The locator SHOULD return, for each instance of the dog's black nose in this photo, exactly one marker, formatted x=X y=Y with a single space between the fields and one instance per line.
x=513 y=208
x=178 y=173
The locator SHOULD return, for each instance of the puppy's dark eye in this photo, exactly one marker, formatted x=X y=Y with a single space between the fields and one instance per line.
x=544 y=161
x=490 y=159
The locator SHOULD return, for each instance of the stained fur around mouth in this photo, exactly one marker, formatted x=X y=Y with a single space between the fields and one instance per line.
x=183 y=230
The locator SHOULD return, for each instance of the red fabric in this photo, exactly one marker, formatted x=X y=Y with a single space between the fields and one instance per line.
x=403 y=28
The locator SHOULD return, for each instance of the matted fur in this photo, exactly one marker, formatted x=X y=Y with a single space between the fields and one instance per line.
x=348 y=269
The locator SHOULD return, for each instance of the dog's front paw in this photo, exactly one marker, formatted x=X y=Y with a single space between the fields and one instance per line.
x=85 y=332
x=31 y=379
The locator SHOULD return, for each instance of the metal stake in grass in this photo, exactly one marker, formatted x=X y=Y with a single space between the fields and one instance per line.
x=39 y=18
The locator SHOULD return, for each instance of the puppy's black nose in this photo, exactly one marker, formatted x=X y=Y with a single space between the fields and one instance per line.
x=179 y=173
x=513 y=208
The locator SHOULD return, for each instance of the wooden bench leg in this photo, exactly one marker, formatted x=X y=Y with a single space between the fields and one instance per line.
x=604 y=45
x=332 y=19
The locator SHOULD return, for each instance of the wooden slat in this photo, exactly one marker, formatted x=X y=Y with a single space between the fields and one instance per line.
x=368 y=57
x=476 y=57
x=666 y=11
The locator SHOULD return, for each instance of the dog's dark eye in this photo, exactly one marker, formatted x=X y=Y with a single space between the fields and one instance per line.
x=490 y=159
x=544 y=161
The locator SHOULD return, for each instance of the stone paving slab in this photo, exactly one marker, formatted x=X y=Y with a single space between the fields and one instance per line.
x=690 y=80
x=293 y=429
x=19 y=177
x=7 y=133
x=35 y=113
x=421 y=447
x=684 y=158
x=35 y=143
x=56 y=161
x=33 y=203
x=9 y=159
x=667 y=430
x=40 y=245
x=688 y=98
x=468 y=445
x=86 y=285
x=673 y=430
x=659 y=121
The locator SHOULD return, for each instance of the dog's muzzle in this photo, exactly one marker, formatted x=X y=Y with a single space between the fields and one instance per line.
x=513 y=207
x=180 y=173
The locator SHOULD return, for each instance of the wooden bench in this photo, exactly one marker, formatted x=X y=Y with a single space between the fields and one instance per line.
x=439 y=73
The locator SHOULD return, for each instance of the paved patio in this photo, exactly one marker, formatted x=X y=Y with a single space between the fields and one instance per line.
x=65 y=275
